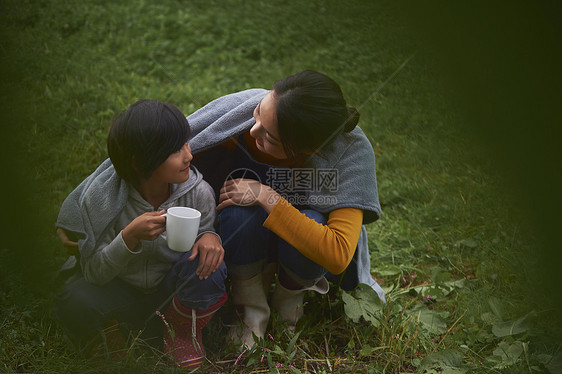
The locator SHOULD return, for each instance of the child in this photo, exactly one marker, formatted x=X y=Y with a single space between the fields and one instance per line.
x=128 y=271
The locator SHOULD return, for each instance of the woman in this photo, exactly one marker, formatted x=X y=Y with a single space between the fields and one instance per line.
x=295 y=180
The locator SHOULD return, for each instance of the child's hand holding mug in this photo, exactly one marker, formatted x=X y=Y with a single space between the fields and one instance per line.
x=147 y=226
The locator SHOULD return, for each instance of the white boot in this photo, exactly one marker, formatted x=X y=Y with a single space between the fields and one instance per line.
x=250 y=300
x=289 y=303
x=268 y=275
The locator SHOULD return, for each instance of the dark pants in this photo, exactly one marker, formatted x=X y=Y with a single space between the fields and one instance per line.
x=83 y=308
x=249 y=246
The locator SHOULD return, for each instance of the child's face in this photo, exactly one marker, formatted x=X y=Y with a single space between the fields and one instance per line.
x=176 y=167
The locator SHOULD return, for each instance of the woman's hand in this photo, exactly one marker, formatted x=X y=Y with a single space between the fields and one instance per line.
x=147 y=226
x=71 y=246
x=211 y=254
x=247 y=192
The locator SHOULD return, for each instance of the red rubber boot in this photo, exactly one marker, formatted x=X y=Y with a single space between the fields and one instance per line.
x=182 y=338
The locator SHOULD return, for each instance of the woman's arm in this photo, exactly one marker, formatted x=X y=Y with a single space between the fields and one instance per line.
x=331 y=246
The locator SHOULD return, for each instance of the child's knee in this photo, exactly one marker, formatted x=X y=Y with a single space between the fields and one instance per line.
x=202 y=293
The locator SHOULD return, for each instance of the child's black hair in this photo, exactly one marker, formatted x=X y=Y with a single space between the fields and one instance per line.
x=143 y=136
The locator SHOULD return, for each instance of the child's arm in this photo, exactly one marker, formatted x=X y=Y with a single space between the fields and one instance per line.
x=208 y=247
x=211 y=254
x=115 y=250
x=147 y=226
x=70 y=245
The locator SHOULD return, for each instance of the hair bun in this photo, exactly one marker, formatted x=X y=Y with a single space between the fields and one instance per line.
x=352 y=119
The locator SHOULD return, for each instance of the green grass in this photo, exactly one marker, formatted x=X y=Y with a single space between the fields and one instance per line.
x=457 y=249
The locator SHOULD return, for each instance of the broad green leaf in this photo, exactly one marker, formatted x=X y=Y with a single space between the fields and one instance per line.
x=508 y=354
x=470 y=243
x=365 y=350
x=352 y=307
x=251 y=361
x=507 y=328
x=278 y=350
x=555 y=363
x=362 y=302
x=489 y=318
x=437 y=290
x=544 y=359
x=448 y=361
x=495 y=306
x=388 y=270
x=431 y=320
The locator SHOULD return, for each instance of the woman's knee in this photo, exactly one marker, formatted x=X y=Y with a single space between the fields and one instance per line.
x=239 y=223
x=301 y=269
x=315 y=215
x=232 y=216
x=244 y=238
x=295 y=264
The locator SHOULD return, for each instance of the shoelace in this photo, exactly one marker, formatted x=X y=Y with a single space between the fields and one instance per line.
x=194 y=331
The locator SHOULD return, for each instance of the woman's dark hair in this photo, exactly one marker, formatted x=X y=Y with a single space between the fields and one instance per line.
x=143 y=136
x=310 y=112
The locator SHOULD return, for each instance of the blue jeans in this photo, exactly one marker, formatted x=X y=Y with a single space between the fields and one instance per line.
x=83 y=307
x=249 y=246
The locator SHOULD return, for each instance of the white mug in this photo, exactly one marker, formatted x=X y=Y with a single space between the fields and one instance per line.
x=182 y=226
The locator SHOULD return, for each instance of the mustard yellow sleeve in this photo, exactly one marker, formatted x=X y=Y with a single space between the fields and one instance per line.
x=331 y=246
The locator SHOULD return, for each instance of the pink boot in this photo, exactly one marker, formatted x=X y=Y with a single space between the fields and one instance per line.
x=183 y=340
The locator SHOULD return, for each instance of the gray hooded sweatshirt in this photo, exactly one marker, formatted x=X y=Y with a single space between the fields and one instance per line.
x=103 y=204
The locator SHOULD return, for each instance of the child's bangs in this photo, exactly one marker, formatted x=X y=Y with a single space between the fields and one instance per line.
x=175 y=130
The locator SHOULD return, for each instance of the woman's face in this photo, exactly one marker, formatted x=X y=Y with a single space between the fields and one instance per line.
x=265 y=130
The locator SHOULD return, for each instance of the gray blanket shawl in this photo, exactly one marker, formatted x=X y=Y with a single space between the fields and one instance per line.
x=94 y=205
x=350 y=154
